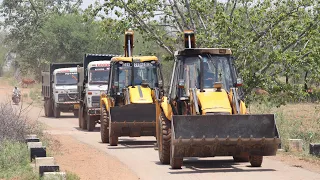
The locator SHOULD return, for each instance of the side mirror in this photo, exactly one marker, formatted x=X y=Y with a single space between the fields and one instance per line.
x=239 y=82
x=181 y=83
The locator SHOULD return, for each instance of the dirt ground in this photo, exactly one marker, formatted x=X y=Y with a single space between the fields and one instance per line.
x=73 y=156
x=88 y=163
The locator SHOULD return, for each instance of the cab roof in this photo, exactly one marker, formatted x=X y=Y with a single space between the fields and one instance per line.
x=198 y=51
x=135 y=58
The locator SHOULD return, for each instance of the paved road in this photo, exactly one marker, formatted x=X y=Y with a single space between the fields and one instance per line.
x=139 y=155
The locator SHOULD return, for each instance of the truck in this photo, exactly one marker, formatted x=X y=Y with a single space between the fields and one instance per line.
x=93 y=79
x=59 y=89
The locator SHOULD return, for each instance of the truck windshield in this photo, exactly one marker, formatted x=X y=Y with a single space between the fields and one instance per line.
x=143 y=72
x=99 y=75
x=216 y=69
x=68 y=78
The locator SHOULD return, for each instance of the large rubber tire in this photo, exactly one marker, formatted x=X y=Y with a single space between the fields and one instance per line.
x=49 y=108
x=256 y=161
x=113 y=140
x=164 y=143
x=45 y=108
x=104 y=127
x=243 y=157
x=84 y=119
x=80 y=117
x=76 y=113
x=91 y=123
x=175 y=163
x=56 y=112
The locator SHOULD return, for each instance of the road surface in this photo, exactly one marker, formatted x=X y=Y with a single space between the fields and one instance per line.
x=139 y=155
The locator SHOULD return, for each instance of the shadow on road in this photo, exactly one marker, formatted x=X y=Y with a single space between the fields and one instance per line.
x=97 y=129
x=192 y=165
x=131 y=144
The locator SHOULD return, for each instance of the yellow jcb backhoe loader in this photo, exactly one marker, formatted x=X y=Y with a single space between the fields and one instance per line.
x=129 y=106
x=204 y=114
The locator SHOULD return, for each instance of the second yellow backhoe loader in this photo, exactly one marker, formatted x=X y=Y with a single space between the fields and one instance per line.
x=204 y=114
x=129 y=106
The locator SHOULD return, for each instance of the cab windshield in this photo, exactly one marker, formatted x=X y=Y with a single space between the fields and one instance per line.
x=145 y=72
x=68 y=78
x=216 y=69
x=99 y=75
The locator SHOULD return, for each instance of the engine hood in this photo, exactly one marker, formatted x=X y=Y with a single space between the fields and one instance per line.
x=213 y=101
x=140 y=94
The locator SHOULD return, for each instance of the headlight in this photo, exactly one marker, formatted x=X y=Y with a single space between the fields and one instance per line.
x=60 y=99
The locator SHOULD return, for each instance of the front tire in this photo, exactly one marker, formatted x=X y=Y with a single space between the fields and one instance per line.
x=84 y=119
x=164 y=139
x=45 y=108
x=56 y=111
x=256 y=161
x=91 y=123
x=80 y=117
x=76 y=113
x=104 y=128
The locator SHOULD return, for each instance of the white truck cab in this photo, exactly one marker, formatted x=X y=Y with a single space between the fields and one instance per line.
x=59 y=88
x=98 y=76
x=93 y=79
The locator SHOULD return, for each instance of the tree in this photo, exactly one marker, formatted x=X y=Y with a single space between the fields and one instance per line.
x=269 y=38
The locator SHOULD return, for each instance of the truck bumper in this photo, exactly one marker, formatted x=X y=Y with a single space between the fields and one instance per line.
x=68 y=106
x=94 y=111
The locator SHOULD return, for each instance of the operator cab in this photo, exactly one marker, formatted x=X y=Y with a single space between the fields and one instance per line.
x=144 y=73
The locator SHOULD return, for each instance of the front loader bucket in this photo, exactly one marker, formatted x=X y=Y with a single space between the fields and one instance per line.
x=133 y=120
x=224 y=135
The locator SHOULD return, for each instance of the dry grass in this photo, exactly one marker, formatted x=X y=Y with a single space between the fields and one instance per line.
x=295 y=121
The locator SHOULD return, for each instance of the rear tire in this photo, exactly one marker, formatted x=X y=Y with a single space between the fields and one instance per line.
x=45 y=108
x=84 y=119
x=91 y=123
x=50 y=108
x=164 y=139
x=76 y=113
x=80 y=117
x=56 y=111
x=104 y=128
x=256 y=161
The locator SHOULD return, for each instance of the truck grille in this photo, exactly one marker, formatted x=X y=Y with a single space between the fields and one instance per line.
x=95 y=100
x=68 y=97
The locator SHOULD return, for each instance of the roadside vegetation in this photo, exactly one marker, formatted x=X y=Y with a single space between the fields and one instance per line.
x=275 y=45
x=14 y=154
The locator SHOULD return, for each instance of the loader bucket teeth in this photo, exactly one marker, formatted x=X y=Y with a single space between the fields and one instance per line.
x=133 y=120
x=224 y=135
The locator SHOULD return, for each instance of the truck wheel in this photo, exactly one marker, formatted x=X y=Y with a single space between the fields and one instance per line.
x=76 y=113
x=84 y=119
x=56 y=112
x=104 y=129
x=113 y=140
x=175 y=163
x=91 y=123
x=80 y=117
x=49 y=109
x=164 y=139
x=45 y=108
x=243 y=157
x=255 y=161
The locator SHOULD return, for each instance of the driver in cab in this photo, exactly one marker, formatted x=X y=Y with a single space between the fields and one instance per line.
x=208 y=76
